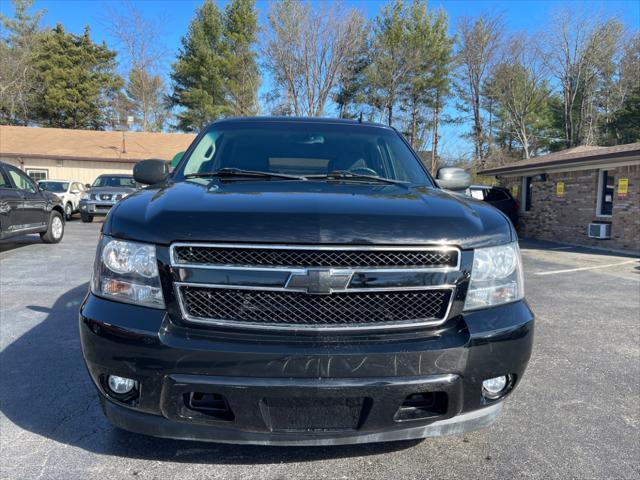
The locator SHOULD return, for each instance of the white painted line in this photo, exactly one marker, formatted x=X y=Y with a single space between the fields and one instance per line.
x=553 y=272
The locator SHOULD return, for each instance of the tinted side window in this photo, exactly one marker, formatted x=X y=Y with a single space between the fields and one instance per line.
x=21 y=180
x=4 y=182
x=495 y=195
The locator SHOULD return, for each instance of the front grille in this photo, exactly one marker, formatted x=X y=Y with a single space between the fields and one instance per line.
x=294 y=309
x=301 y=258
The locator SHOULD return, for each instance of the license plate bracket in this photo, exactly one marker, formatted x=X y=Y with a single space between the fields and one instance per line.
x=308 y=414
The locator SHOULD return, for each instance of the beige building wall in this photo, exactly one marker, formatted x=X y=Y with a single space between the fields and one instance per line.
x=76 y=170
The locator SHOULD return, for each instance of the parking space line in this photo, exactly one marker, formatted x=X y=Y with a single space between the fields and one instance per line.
x=553 y=272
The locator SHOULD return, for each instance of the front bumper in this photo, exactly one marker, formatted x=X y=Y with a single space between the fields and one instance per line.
x=304 y=391
x=159 y=426
x=94 y=207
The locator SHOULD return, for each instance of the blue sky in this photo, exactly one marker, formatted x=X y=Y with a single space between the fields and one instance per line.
x=174 y=17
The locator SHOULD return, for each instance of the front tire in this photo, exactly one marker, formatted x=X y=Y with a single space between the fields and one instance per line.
x=68 y=211
x=86 y=218
x=55 y=231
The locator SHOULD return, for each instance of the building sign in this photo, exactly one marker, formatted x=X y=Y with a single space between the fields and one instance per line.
x=514 y=190
x=560 y=189
x=623 y=187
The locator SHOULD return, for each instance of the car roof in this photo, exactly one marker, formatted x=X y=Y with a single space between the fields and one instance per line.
x=59 y=180
x=314 y=120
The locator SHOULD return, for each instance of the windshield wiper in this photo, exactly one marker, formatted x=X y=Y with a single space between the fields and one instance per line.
x=347 y=175
x=239 y=172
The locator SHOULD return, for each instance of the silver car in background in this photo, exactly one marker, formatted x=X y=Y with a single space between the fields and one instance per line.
x=104 y=193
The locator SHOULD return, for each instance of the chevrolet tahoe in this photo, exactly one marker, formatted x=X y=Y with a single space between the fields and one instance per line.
x=304 y=282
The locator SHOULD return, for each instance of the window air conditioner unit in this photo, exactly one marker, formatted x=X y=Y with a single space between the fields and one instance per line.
x=599 y=230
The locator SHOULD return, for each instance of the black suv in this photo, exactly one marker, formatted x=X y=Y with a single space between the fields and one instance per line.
x=304 y=282
x=25 y=208
x=499 y=197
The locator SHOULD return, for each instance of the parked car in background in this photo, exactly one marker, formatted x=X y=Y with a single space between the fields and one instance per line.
x=25 y=208
x=499 y=197
x=66 y=190
x=104 y=193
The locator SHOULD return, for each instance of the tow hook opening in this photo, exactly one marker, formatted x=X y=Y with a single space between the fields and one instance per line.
x=422 y=405
x=210 y=404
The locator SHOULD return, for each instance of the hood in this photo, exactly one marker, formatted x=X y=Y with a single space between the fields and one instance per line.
x=307 y=212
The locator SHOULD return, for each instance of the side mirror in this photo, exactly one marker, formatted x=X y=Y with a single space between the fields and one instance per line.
x=87 y=186
x=149 y=172
x=453 y=178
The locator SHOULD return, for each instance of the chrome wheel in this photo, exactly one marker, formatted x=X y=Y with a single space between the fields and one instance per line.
x=56 y=227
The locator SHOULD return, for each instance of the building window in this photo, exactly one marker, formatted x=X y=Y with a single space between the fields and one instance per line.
x=37 y=174
x=606 y=186
x=527 y=183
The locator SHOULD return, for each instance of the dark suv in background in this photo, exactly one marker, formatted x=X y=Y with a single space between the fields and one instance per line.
x=304 y=282
x=25 y=208
x=499 y=197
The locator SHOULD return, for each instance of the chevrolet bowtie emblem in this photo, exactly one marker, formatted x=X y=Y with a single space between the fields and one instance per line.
x=318 y=281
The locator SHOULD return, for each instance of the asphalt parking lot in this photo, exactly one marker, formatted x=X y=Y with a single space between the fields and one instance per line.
x=575 y=415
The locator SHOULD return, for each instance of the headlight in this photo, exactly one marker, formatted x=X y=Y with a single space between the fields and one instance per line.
x=127 y=272
x=84 y=196
x=496 y=277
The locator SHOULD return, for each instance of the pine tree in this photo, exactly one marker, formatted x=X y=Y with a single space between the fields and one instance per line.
x=440 y=79
x=625 y=127
x=76 y=77
x=392 y=60
x=20 y=36
x=428 y=79
x=198 y=84
x=240 y=69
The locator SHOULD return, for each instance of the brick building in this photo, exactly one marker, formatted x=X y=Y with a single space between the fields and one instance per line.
x=577 y=195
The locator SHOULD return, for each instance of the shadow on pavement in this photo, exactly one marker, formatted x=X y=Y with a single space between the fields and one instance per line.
x=18 y=242
x=46 y=390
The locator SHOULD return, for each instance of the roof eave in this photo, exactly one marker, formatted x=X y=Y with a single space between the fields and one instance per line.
x=69 y=157
x=574 y=162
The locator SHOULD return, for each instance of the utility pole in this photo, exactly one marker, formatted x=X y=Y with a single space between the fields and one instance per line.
x=129 y=125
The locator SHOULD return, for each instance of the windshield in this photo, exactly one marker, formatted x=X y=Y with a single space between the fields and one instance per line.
x=55 y=187
x=113 y=181
x=304 y=149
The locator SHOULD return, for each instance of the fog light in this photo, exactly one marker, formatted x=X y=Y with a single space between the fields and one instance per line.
x=121 y=385
x=493 y=387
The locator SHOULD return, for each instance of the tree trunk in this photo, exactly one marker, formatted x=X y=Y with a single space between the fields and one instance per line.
x=414 y=121
x=434 y=140
x=477 y=128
